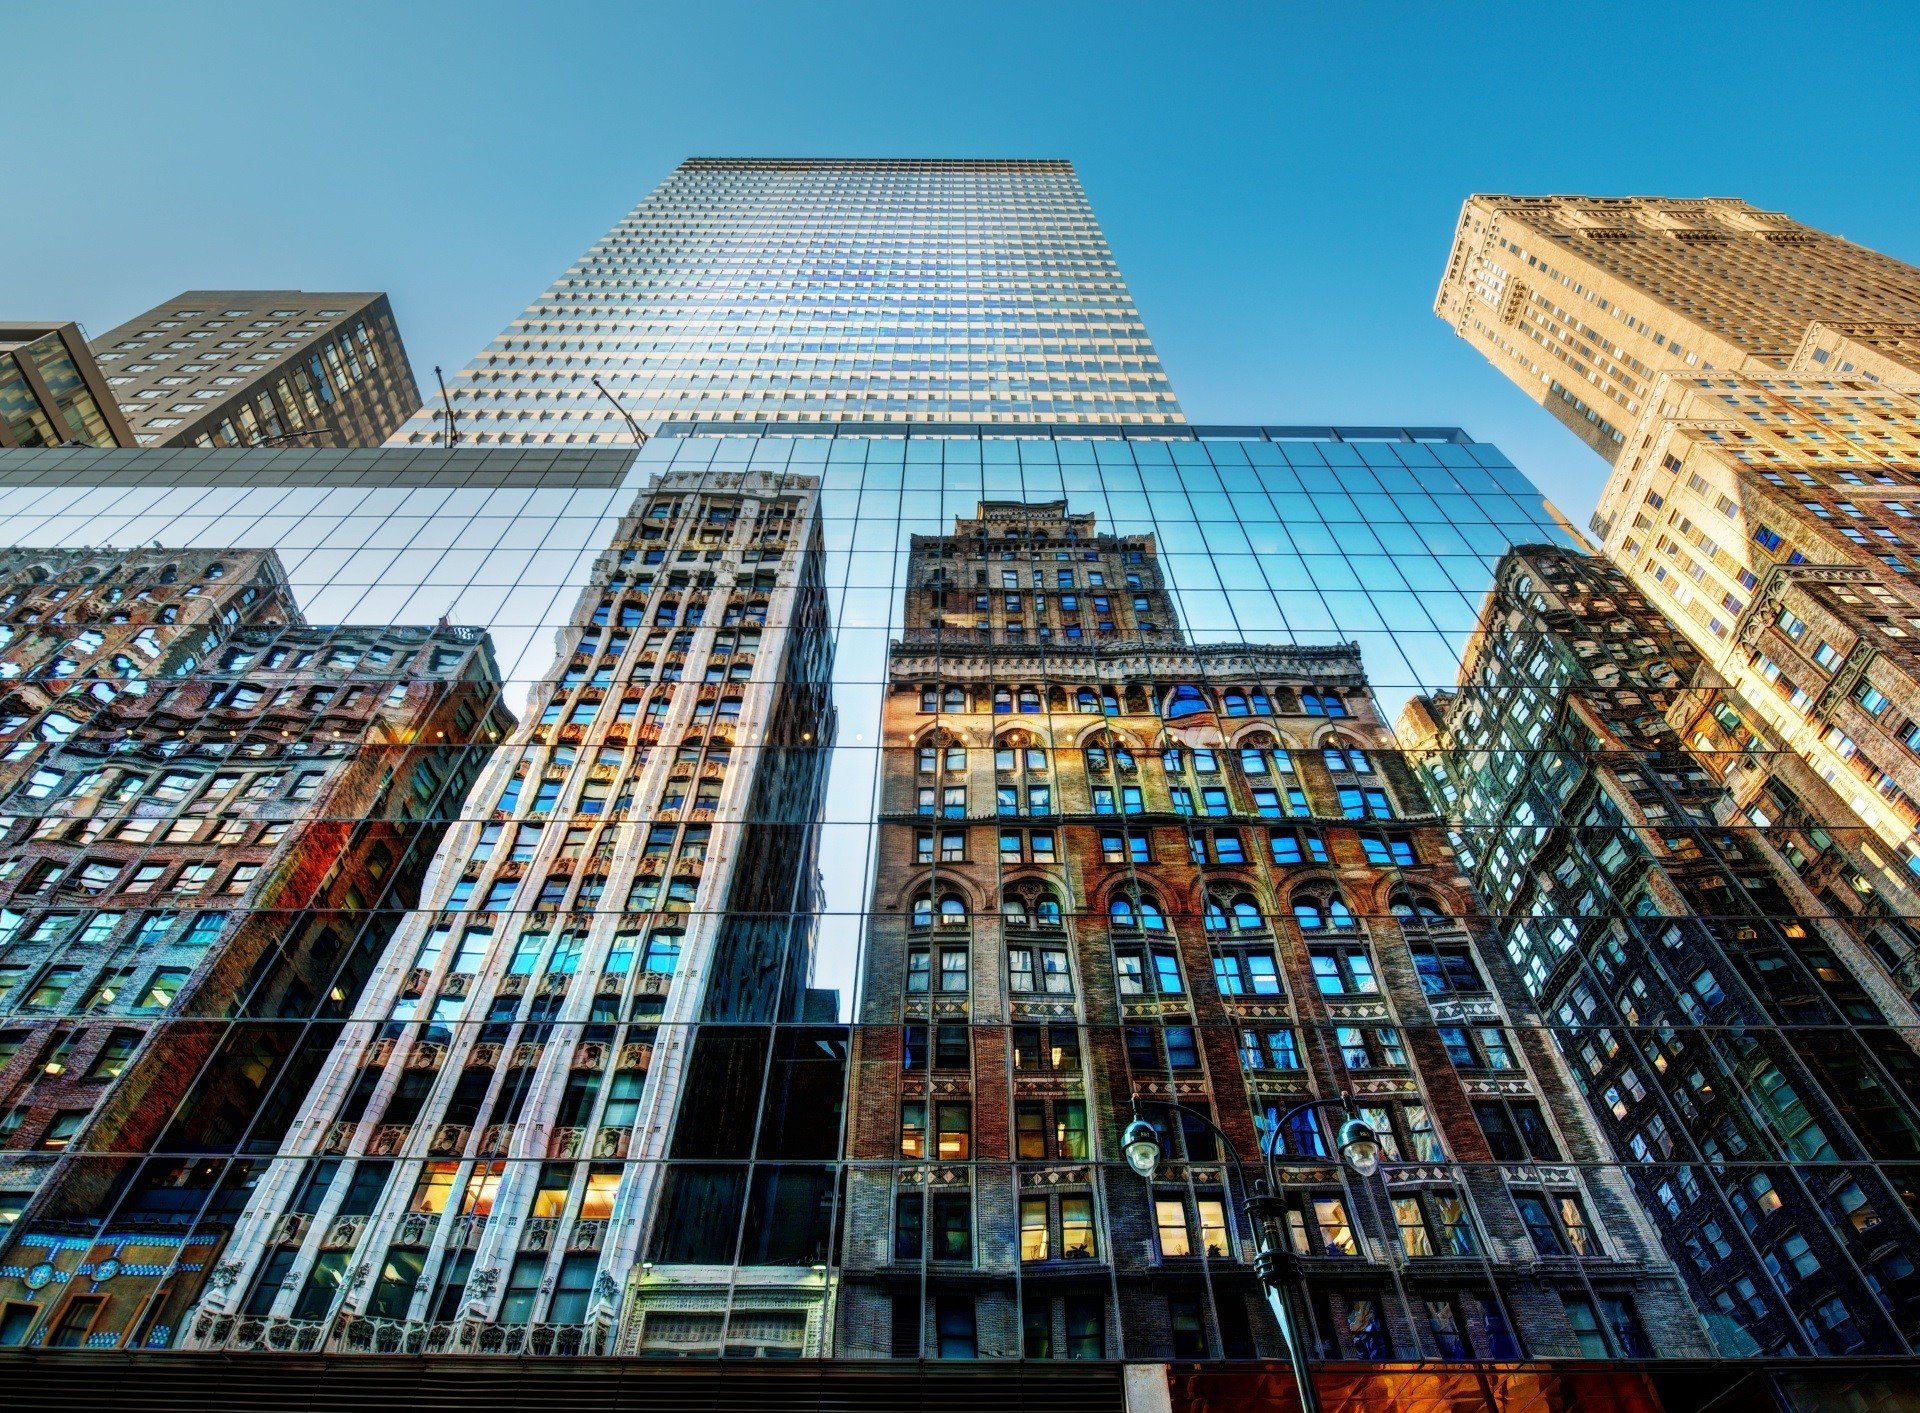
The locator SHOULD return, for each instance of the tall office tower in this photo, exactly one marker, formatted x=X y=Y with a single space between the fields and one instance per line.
x=215 y=812
x=1583 y=300
x=52 y=393
x=1772 y=519
x=1712 y=1010
x=823 y=290
x=1113 y=863
x=592 y=991
x=224 y=367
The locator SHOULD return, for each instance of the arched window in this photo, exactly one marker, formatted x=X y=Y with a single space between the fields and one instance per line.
x=952 y=910
x=1246 y=915
x=1262 y=703
x=1087 y=700
x=1002 y=700
x=1416 y=910
x=1322 y=910
x=1342 y=756
x=953 y=699
x=1186 y=700
x=1235 y=703
x=1137 y=913
x=1030 y=700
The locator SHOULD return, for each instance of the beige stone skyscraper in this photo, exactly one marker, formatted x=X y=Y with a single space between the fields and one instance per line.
x=1584 y=300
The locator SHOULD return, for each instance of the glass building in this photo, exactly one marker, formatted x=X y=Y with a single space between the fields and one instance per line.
x=822 y=290
x=551 y=903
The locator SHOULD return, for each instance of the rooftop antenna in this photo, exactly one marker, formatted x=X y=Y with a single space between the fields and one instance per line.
x=639 y=437
x=453 y=428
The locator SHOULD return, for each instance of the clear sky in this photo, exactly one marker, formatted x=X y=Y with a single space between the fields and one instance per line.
x=1279 y=181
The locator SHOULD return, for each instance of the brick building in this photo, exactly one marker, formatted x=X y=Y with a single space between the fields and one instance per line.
x=1109 y=863
x=1726 y=1027
x=215 y=814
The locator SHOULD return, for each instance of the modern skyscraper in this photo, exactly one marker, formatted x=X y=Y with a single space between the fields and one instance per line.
x=590 y=992
x=214 y=818
x=1112 y=863
x=762 y=290
x=223 y=367
x=52 y=393
x=1718 y=1019
x=1583 y=300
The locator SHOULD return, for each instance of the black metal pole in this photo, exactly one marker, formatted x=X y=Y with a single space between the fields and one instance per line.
x=1273 y=1263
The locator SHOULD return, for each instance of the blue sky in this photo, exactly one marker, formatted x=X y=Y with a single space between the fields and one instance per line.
x=1279 y=181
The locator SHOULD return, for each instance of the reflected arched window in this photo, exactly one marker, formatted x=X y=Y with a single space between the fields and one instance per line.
x=1087 y=700
x=953 y=699
x=951 y=909
x=1002 y=700
x=1186 y=700
x=1235 y=703
x=1415 y=910
x=1137 y=913
x=1030 y=700
x=1342 y=756
x=1322 y=911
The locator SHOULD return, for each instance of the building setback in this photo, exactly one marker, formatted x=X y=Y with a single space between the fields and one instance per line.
x=1113 y=863
x=610 y=938
x=52 y=393
x=223 y=367
x=1584 y=300
x=802 y=290
x=1712 y=1011
x=216 y=813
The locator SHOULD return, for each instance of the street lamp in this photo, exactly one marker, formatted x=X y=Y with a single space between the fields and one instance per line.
x=1274 y=1263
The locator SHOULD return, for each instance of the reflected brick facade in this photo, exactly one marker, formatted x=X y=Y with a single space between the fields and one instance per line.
x=1196 y=873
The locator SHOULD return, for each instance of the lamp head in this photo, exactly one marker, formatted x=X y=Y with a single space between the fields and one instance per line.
x=1141 y=1144
x=1360 y=1146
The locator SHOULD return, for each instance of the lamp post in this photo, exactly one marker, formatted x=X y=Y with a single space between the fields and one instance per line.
x=1274 y=1262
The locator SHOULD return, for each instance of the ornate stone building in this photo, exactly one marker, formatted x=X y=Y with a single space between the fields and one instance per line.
x=215 y=814
x=1111 y=863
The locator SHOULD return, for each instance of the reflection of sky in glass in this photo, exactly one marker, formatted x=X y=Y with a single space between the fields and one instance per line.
x=1386 y=544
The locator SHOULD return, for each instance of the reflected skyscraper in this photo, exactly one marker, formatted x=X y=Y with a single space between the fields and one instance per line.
x=216 y=812
x=479 y=1165
x=820 y=290
x=1721 y=1024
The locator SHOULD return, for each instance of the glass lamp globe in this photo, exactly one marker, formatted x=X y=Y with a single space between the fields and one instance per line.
x=1142 y=1146
x=1360 y=1146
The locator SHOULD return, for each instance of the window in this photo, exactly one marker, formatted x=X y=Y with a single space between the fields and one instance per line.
x=1444 y=969
x=954 y=1328
x=952 y=1226
x=1515 y=1130
x=1050 y=1129
x=1343 y=971
x=954 y=1132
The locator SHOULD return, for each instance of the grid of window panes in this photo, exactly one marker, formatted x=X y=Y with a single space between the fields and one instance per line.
x=754 y=290
x=730 y=900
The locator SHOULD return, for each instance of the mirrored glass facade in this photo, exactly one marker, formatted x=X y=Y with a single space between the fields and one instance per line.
x=876 y=891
